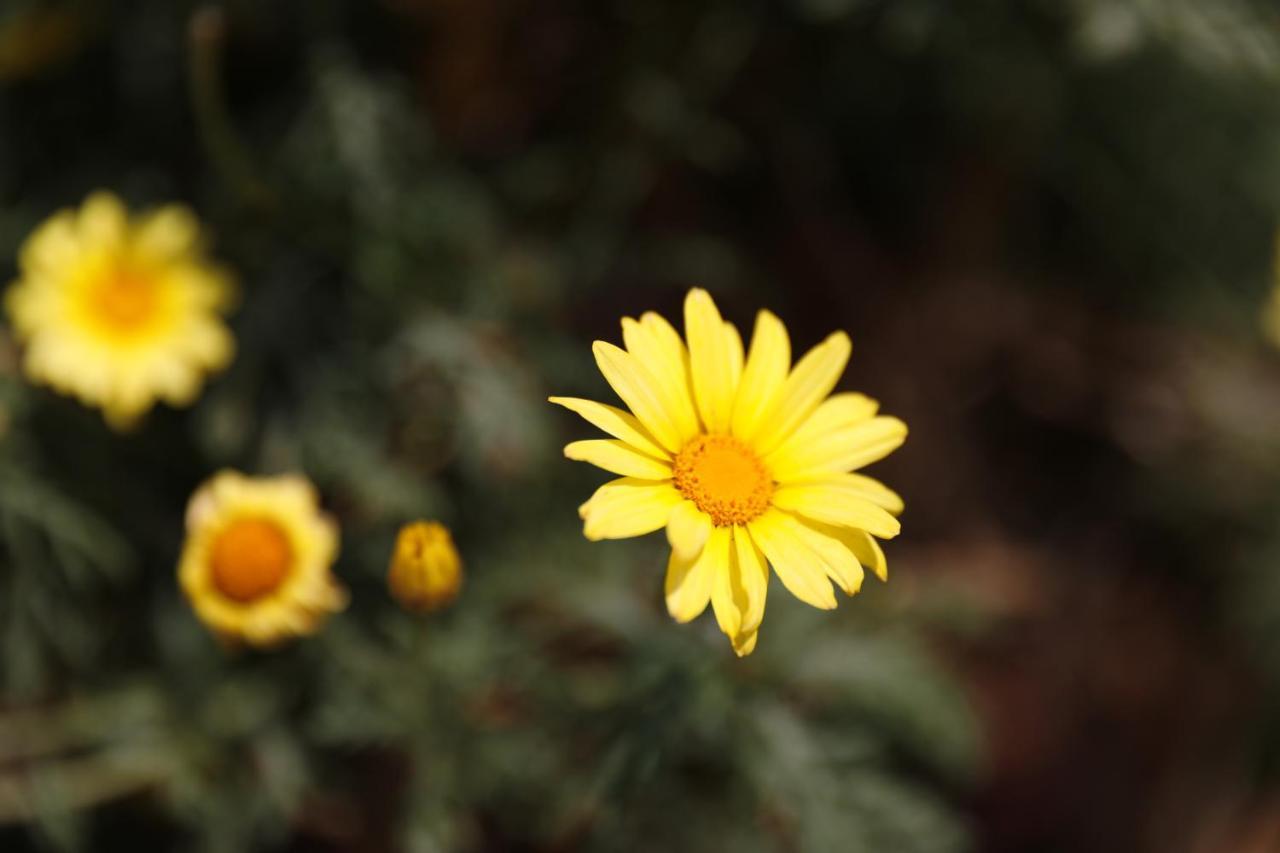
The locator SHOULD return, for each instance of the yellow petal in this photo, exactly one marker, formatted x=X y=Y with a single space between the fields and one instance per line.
x=838 y=451
x=168 y=233
x=869 y=553
x=658 y=347
x=728 y=614
x=103 y=220
x=861 y=485
x=745 y=643
x=688 y=584
x=711 y=360
x=735 y=360
x=863 y=546
x=797 y=567
x=753 y=578
x=618 y=457
x=656 y=342
x=52 y=246
x=834 y=413
x=614 y=421
x=808 y=384
x=839 y=507
x=688 y=529
x=642 y=393
x=624 y=508
x=764 y=374
x=738 y=594
x=841 y=563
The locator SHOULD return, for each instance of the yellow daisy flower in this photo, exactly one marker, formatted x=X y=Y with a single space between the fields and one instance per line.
x=746 y=461
x=426 y=571
x=120 y=312
x=256 y=562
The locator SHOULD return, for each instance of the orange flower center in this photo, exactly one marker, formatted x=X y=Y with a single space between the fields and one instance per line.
x=250 y=559
x=123 y=300
x=724 y=478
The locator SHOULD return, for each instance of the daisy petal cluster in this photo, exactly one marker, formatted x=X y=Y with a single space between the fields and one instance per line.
x=747 y=460
x=120 y=312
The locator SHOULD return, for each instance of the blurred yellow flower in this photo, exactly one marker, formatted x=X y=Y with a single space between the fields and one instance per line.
x=120 y=312
x=745 y=460
x=256 y=562
x=426 y=571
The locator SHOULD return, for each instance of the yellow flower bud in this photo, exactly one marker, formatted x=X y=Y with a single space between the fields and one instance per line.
x=426 y=570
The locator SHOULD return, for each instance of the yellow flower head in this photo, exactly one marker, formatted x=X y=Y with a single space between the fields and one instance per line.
x=120 y=312
x=426 y=571
x=256 y=562
x=745 y=460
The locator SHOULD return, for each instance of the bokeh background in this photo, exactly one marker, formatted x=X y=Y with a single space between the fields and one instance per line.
x=1048 y=228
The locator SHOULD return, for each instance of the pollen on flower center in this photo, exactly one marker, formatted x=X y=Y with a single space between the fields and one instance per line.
x=250 y=558
x=123 y=300
x=724 y=478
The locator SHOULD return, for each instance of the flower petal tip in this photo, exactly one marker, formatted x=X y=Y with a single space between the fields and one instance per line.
x=744 y=644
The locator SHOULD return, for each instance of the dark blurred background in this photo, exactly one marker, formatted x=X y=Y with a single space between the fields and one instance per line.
x=1048 y=228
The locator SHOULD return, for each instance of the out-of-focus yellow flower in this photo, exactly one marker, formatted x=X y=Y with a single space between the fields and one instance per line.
x=744 y=459
x=119 y=312
x=256 y=562
x=426 y=571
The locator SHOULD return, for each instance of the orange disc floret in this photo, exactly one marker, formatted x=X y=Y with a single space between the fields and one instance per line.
x=250 y=559
x=123 y=301
x=724 y=478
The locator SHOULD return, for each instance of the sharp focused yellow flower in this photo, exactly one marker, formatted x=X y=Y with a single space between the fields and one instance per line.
x=118 y=312
x=256 y=562
x=426 y=571
x=745 y=460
